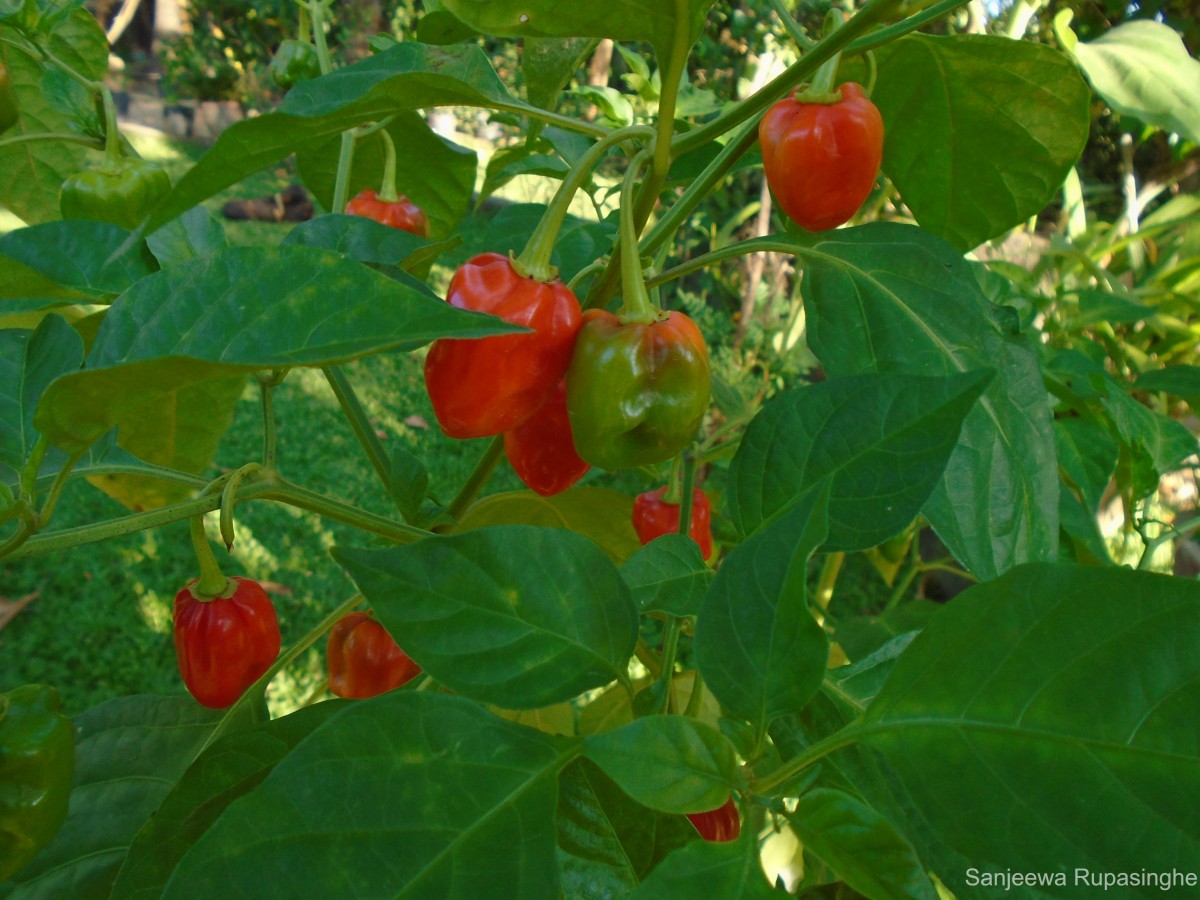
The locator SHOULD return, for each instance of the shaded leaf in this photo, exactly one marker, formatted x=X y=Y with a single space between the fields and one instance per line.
x=668 y=575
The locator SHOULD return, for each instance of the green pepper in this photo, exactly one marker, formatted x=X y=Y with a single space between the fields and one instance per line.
x=37 y=757
x=8 y=101
x=295 y=61
x=122 y=192
x=636 y=392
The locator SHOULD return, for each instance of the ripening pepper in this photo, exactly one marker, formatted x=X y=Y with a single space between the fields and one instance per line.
x=541 y=449
x=9 y=110
x=718 y=825
x=363 y=660
x=821 y=159
x=293 y=62
x=636 y=392
x=122 y=192
x=653 y=517
x=488 y=386
x=400 y=213
x=37 y=759
x=224 y=644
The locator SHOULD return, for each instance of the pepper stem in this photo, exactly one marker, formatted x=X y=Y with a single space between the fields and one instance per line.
x=534 y=261
x=387 y=189
x=821 y=90
x=687 y=495
x=112 y=135
x=212 y=582
x=636 y=305
x=674 y=491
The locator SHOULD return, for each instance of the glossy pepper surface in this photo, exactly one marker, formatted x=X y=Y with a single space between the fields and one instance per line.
x=488 y=386
x=718 y=825
x=541 y=449
x=363 y=660
x=225 y=644
x=293 y=62
x=653 y=517
x=636 y=393
x=37 y=759
x=9 y=110
x=821 y=159
x=122 y=192
x=401 y=213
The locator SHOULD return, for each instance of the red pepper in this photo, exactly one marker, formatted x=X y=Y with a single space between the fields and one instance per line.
x=541 y=449
x=489 y=386
x=718 y=825
x=226 y=643
x=402 y=213
x=653 y=517
x=363 y=660
x=821 y=159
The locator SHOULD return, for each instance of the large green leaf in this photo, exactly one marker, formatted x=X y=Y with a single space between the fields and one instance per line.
x=231 y=767
x=514 y=615
x=670 y=763
x=891 y=298
x=549 y=63
x=406 y=77
x=362 y=239
x=884 y=440
x=434 y=173
x=761 y=652
x=79 y=254
x=405 y=795
x=128 y=755
x=1088 y=456
x=240 y=309
x=981 y=130
x=730 y=871
x=31 y=172
x=1056 y=705
x=1142 y=69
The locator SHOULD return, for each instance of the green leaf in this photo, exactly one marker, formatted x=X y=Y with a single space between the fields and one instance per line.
x=406 y=794
x=549 y=63
x=80 y=255
x=863 y=635
x=230 y=768
x=1059 y=700
x=441 y=27
x=242 y=309
x=510 y=163
x=980 y=130
x=670 y=763
x=761 y=652
x=579 y=243
x=409 y=482
x=892 y=299
x=668 y=575
x=1088 y=455
x=1096 y=306
x=129 y=753
x=362 y=239
x=1182 y=381
x=31 y=172
x=858 y=684
x=884 y=440
x=608 y=842
x=407 y=77
x=1084 y=543
x=194 y=234
x=513 y=615
x=434 y=173
x=729 y=871
x=1142 y=69
x=860 y=845
x=602 y=514
x=29 y=361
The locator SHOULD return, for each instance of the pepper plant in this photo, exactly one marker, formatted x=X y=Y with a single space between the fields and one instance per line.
x=595 y=718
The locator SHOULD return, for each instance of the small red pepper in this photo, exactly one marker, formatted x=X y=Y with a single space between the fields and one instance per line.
x=224 y=644
x=489 y=386
x=363 y=660
x=541 y=449
x=402 y=213
x=718 y=825
x=653 y=517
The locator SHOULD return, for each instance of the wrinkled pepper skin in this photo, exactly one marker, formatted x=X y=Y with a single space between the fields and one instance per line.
x=37 y=759
x=363 y=660
x=718 y=825
x=821 y=159
x=293 y=62
x=636 y=393
x=541 y=449
x=9 y=111
x=123 y=193
x=402 y=214
x=489 y=386
x=653 y=517
x=225 y=644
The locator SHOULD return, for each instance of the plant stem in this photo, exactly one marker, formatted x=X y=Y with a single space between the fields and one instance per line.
x=829 y=576
x=212 y=582
x=903 y=27
x=791 y=26
x=56 y=137
x=670 y=648
x=812 y=754
x=636 y=305
x=341 y=184
x=387 y=188
x=229 y=499
x=696 y=698
x=478 y=478
x=360 y=424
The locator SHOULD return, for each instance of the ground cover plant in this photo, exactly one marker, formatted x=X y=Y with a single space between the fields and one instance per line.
x=563 y=690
